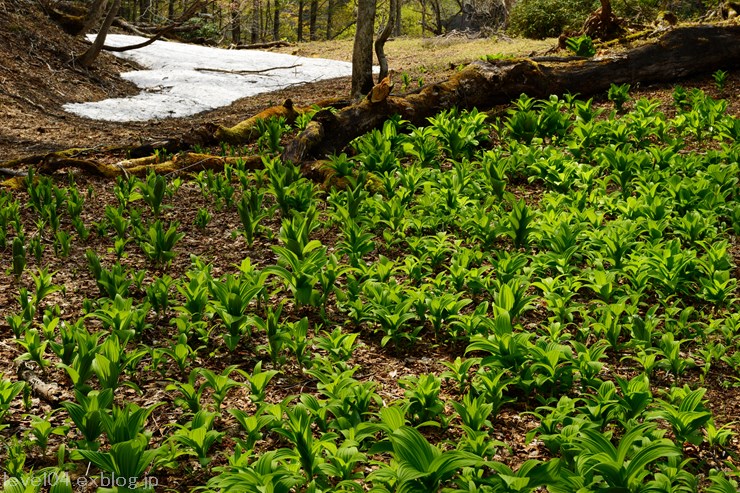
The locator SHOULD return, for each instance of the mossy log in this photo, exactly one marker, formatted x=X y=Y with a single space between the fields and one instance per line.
x=677 y=54
x=246 y=131
x=188 y=162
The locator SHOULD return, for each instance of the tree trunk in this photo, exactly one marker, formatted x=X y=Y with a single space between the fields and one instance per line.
x=679 y=53
x=301 y=4
x=437 y=17
x=313 y=14
x=423 y=17
x=94 y=15
x=329 y=19
x=397 y=28
x=276 y=22
x=383 y=37
x=87 y=58
x=603 y=24
x=255 y=29
x=362 y=55
x=236 y=22
x=146 y=10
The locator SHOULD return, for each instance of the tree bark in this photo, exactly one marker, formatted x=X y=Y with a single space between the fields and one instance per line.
x=87 y=58
x=329 y=19
x=362 y=55
x=677 y=54
x=236 y=22
x=397 y=28
x=276 y=22
x=255 y=29
x=93 y=15
x=299 y=29
x=383 y=37
x=313 y=15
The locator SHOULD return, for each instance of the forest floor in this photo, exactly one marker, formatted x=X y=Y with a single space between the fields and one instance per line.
x=38 y=76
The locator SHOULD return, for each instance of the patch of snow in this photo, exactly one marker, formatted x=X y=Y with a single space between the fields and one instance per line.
x=172 y=87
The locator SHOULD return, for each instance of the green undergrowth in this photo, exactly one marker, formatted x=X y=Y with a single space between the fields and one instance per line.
x=569 y=264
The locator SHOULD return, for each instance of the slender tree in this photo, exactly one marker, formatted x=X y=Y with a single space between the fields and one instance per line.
x=97 y=9
x=87 y=58
x=329 y=18
x=276 y=22
x=255 y=29
x=383 y=37
x=301 y=6
x=236 y=22
x=362 y=55
x=312 y=20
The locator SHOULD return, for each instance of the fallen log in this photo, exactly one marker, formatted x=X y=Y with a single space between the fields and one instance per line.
x=186 y=162
x=677 y=54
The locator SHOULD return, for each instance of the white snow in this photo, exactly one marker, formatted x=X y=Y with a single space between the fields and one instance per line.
x=171 y=87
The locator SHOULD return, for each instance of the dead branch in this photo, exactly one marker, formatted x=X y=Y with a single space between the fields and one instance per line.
x=262 y=46
x=246 y=72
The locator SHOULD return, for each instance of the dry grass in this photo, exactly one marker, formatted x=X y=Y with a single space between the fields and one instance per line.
x=422 y=57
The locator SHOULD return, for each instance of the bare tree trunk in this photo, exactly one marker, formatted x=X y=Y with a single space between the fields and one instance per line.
x=87 y=58
x=383 y=37
x=301 y=5
x=329 y=19
x=146 y=10
x=171 y=10
x=255 y=29
x=603 y=24
x=437 y=17
x=397 y=29
x=312 y=20
x=362 y=54
x=423 y=17
x=236 y=22
x=276 y=22
x=93 y=15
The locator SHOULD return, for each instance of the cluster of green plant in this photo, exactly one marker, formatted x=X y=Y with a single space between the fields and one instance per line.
x=573 y=262
x=539 y=19
x=581 y=45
